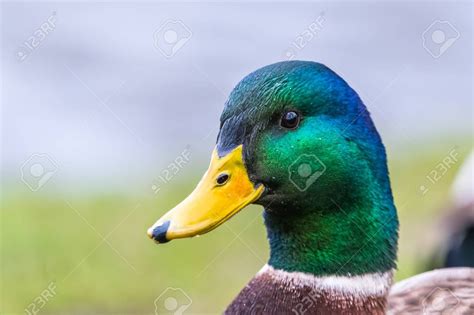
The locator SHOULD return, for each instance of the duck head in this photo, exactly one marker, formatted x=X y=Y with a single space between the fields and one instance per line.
x=296 y=138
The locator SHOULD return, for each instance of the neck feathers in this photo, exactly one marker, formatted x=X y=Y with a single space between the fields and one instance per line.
x=358 y=286
x=275 y=291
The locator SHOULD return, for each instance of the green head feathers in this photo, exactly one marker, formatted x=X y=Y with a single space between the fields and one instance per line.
x=295 y=138
x=328 y=202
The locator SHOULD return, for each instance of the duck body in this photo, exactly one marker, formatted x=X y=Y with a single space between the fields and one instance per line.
x=443 y=291
x=297 y=139
x=280 y=292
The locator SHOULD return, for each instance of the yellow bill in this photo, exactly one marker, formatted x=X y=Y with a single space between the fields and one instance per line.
x=223 y=191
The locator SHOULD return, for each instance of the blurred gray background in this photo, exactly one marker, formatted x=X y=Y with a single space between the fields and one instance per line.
x=99 y=97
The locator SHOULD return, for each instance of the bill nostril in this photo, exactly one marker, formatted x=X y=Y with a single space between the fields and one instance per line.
x=159 y=233
x=222 y=178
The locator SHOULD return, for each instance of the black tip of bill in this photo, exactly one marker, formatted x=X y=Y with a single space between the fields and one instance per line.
x=158 y=233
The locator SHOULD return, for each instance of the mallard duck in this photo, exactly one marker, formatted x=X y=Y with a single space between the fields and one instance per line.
x=297 y=139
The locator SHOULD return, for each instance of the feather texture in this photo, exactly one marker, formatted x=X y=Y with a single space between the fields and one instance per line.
x=442 y=291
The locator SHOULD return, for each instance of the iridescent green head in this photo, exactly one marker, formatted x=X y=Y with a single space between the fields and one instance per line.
x=309 y=139
x=313 y=159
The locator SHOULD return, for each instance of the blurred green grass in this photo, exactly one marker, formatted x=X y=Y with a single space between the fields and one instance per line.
x=59 y=237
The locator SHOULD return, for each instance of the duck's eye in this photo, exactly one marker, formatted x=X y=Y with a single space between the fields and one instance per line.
x=222 y=179
x=290 y=120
